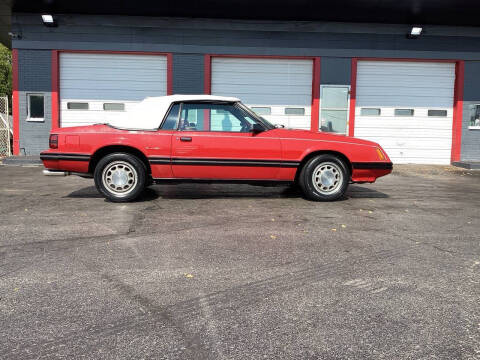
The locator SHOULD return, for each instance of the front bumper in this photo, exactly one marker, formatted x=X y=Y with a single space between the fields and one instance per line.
x=370 y=171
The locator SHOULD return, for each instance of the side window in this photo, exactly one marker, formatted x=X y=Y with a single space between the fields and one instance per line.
x=214 y=117
x=36 y=107
x=170 y=122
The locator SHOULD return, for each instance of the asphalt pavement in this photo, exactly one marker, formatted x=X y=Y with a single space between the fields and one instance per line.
x=241 y=272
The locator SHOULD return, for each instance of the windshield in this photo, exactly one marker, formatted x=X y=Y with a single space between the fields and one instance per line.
x=252 y=114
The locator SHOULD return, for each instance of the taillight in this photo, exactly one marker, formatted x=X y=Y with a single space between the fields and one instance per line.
x=53 y=141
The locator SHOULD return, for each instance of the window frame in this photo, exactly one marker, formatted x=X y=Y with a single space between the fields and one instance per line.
x=238 y=105
x=35 y=119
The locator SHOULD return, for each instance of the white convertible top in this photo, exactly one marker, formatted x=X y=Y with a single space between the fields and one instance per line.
x=148 y=114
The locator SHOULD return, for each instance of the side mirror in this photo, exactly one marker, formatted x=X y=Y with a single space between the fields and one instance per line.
x=257 y=128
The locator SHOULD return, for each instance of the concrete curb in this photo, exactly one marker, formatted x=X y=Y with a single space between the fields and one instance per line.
x=471 y=165
x=22 y=160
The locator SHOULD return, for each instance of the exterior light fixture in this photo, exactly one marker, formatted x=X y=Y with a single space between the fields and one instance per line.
x=415 y=32
x=48 y=20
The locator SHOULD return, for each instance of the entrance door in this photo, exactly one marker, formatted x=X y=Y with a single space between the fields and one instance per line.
x=214 y=141
x=334 y=101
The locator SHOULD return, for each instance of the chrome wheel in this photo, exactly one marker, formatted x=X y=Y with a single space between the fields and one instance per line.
x=327 y=178
x=119 y=178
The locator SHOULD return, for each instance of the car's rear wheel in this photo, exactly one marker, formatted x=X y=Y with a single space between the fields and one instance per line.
x=324 y=178
x=120 y=177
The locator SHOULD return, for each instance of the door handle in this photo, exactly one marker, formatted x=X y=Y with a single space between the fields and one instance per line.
x=185 y=138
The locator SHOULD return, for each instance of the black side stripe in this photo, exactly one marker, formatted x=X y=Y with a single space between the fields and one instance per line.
x=158 y=160
x=373 y=165
x=65 y=156
x=226 y=162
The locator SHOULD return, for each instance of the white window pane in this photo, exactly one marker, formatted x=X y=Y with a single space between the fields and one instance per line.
x=441 y=113
x=404 y=112
x=77 y=106
x=114 y=106
x=262 y=110
x=334 y=121
x=334 y=97
x=370 y=112
x=294 y=111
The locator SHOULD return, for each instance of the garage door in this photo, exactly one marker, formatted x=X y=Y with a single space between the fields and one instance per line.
x=280 y=90
x=97 y=88
x=407 y=107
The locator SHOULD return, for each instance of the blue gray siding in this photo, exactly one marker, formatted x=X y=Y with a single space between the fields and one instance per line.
x=190 y=39
x=34 y=76
x=188 y=72
x=335 y=71
x=212 y=36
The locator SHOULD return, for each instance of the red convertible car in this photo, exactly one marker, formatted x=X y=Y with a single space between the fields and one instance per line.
x=209 y=138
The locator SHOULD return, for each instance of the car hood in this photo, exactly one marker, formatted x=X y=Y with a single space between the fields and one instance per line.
x=310 y=135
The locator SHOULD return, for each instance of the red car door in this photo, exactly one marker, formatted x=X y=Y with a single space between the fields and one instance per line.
x=214 y=141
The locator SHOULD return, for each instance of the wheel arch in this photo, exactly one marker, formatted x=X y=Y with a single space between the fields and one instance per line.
x=322 y=152
x=110 y=149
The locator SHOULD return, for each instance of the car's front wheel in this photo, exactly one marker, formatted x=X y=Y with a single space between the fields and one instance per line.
x=324 y=178
x=120 y=177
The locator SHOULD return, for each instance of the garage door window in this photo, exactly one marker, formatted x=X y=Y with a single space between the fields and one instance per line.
x=36 y=107
x=437 y=113
x=114 y=106
x=77 y=106
x=370 y=112
x=295 y=111
x=404 y=112
x=262 y=110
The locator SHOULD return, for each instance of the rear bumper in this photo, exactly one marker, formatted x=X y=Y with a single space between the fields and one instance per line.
x=370 y=171
x=67 y=162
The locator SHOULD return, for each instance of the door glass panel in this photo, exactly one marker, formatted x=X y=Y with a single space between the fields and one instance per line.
x=170 y=122
x=334 y=101
x=335 y=97
x=334 y=121
x=214 y=117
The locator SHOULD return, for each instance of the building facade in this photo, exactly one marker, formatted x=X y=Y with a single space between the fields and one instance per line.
x=418 y=97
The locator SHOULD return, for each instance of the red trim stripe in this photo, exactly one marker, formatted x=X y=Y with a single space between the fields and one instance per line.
x=169 y=74
x=353 y=96
x=15 y=104
x=207 y=76
x=55 y=91
x=315 y=96
x=458 y=111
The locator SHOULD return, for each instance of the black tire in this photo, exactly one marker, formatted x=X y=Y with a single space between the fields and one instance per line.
x=127 y=169
x=336 y=177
